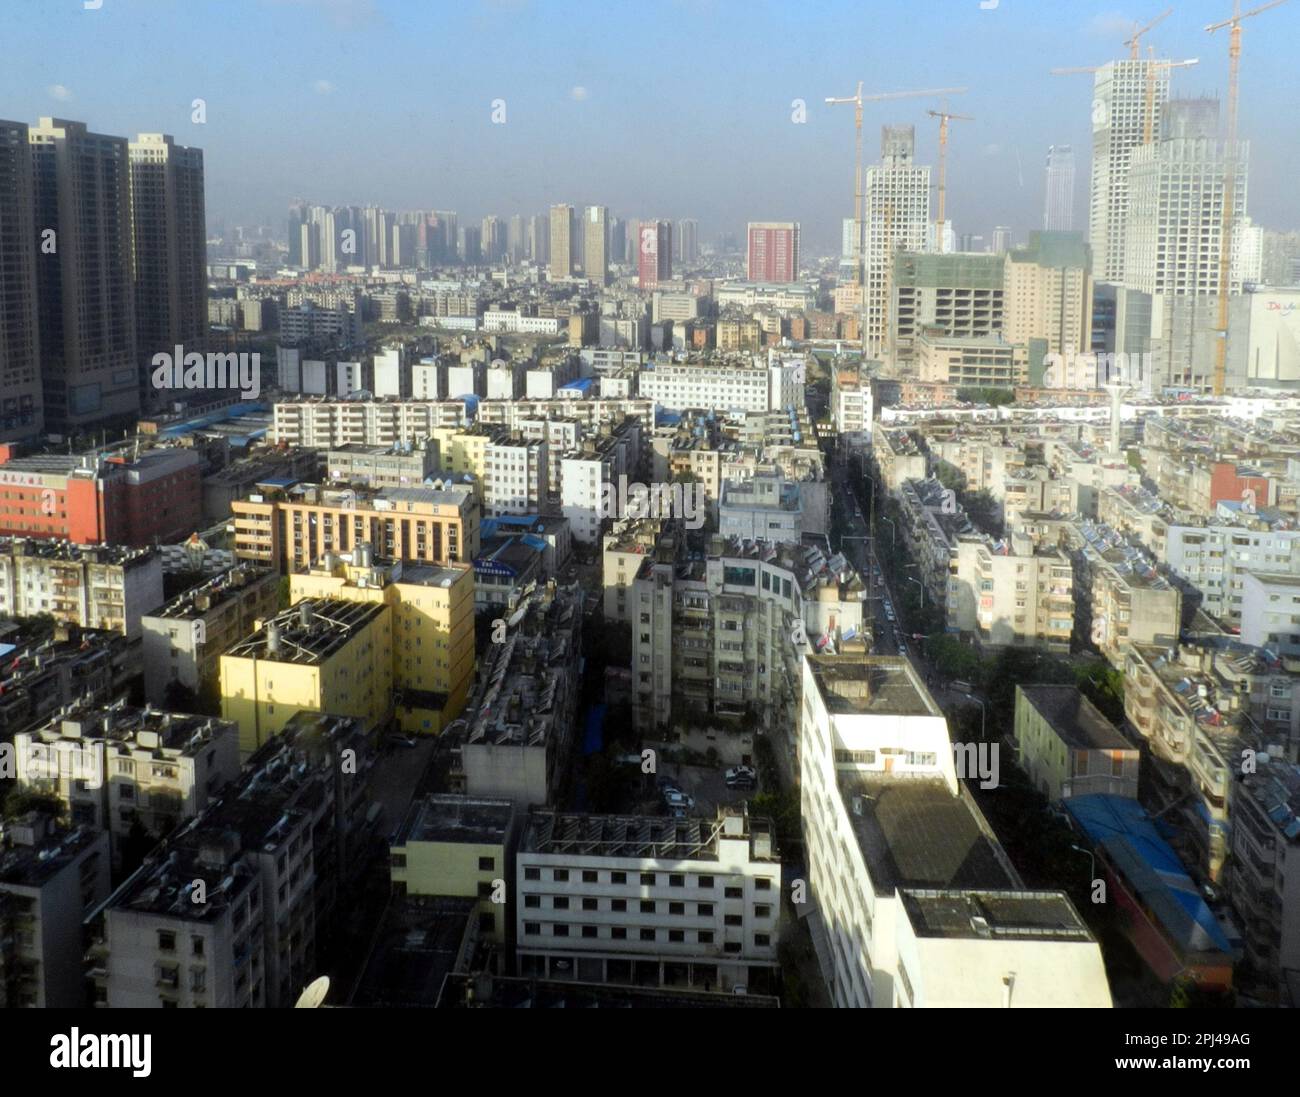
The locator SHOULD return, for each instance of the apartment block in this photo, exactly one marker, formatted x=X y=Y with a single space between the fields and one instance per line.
x=433 y=627
x=459 y=847
x=908 y=881
x=50 y=880
x=518 y=729
x=184 y=639
x=117 y=768
x=290 y=526
x=320 y=656
x=647 y=900
x=1012 y=592
x=1068 y=748
x=94 y=586
x=22 y=412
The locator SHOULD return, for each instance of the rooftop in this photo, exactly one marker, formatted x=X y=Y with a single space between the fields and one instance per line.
x=882 y=685
x=640 y=836
x=309 y=632
x=994 y=915
x=1074 y=718
x=915 y=833
x=449 y=818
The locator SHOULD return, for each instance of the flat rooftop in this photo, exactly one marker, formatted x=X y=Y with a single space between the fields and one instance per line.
x=1074 y=718
x=883 y=685
x=1003 y=916
x=634 y=836
x=309 y=632
x=465 y=819
x=916 y=833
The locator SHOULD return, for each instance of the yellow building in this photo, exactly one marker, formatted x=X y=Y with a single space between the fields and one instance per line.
x=289 y=526
x=458 y=846
x=324 y=656
x=433 y=627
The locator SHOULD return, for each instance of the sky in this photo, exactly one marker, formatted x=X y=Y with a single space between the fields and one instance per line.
x=655 y=108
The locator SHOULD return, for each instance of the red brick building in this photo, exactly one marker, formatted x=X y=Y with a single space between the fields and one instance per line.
x=154 y=498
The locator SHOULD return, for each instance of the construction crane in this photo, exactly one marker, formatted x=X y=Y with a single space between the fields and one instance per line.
x=1230 y=179
x=944 y=116
x=858 y=100
x=1148 y=122
x=1134 y=41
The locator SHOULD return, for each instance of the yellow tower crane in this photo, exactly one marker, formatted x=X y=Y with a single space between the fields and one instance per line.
x=858 y=99
x=1229 y=180
x=1133 y=41
x=944 y=116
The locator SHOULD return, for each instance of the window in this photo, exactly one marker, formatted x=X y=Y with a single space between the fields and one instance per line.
x=764 y=883
x=197 y=946
x=559 y=931
x=532 y=901
x=734 y=893
x=590 y=904
x=487 y=864
x=762 y=911
x=618 y=877
x=619 y=906
x=734 y=920
x=676 y=908
x=647 y=906
x=589 y=931
x=705 y=936
x=485 y=889
x=560 y=902
x=648 y=879
x=647 y=935
x=704 y=910
x=590 y=876
x=676 y=936
x=618 y=933
x=677 y=880
x=762 y=940
x=166 y=941
x=532 y=874
x=706 y=881
x=532 y=929
x=560 y=874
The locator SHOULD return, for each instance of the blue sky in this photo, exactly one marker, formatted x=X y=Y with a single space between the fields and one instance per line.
x=672 y=108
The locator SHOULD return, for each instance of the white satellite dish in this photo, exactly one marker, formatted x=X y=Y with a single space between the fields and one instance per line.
x=314 y=996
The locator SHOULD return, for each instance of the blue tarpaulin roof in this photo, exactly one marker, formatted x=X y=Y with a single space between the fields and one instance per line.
x=582 y=384
x=1121 y=829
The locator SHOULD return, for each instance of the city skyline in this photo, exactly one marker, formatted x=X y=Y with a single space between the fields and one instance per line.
x=644 y=147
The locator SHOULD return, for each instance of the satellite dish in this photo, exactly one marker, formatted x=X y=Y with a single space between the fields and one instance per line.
x=314 y=996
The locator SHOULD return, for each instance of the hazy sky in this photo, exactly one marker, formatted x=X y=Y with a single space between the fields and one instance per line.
x=674 y=108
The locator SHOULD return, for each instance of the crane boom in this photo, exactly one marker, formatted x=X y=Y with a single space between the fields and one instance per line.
x=1134 y=40
x=1230 y=181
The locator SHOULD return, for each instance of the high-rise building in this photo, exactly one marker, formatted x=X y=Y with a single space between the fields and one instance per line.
x=471 y=245
x=654 y=252
x=617 y=239
x=561 y=241
x=595 y=244
x=539 y=239
x=21 y=414
x=1058 y=205
x=515 y=240
x=492 y=239
x=688 y=240
x=1119 y=120
x=1047 y=296
x=375 y=237
x=1002 y=241
x=773 y=251
x=169 y=239
x=897 y=219
x=86 y=299
x=1175 y=204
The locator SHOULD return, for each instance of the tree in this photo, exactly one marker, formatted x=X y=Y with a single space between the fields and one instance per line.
x=20 y=801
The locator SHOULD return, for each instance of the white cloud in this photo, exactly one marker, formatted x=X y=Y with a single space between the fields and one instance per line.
x=58 y=91
x=578 y=93
x=322 y=87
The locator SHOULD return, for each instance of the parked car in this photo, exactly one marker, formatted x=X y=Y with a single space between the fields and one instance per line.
x=675 y=798
x=400 y=741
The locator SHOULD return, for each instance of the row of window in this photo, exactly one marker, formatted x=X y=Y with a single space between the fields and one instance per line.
x=646 y=906
x=647 y=879
x=620 y=933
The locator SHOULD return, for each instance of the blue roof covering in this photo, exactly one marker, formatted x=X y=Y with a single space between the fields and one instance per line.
x=534 y=542
x=5 y=649
x=280 y=481
x=664 y=417
x=1121 y=829
x=582 y=384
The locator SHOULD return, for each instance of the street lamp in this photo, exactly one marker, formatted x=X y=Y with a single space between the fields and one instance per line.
x=1092 y=859
x=920 y=586
x=892 y=531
